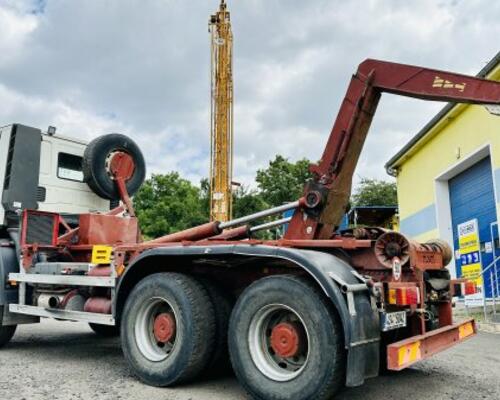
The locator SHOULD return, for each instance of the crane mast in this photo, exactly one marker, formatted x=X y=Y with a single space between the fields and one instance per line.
x=221 y=118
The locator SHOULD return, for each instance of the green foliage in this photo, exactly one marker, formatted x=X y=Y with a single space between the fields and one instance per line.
x=247 y=201
x=167 y=203
x=205 y=196
x=373 y=192
x=283 y=180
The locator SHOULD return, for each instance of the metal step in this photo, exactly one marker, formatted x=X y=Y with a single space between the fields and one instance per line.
x=79 y=316
x=71 y=280
x=60 y=268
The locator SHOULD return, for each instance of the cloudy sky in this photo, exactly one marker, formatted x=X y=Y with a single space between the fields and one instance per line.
x=141 y=67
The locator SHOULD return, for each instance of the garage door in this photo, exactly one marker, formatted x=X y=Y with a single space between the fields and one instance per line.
x=472 y=197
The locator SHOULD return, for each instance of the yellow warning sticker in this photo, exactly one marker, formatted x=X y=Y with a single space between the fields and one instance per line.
x=465 y=330
x=409 y=353
x=101 y=254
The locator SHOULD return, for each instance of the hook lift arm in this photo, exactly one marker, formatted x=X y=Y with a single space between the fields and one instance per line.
x=327 y=194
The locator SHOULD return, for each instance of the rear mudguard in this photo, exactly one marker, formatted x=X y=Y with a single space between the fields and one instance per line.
x=359 y=319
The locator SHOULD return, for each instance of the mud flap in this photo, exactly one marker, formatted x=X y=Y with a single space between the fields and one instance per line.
x=363 y=354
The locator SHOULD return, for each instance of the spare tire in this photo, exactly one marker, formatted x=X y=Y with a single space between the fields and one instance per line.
x=95 y=168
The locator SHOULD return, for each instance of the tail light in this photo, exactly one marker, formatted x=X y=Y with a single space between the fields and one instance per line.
x=404 y=296
x=470 y=288
x=465 y=288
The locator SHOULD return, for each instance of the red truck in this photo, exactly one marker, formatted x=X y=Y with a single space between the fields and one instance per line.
x=298 y=317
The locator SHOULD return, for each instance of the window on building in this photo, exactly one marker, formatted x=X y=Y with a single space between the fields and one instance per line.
x=69 y=167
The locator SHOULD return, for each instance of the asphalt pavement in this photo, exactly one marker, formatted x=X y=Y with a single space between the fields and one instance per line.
x=67 y=361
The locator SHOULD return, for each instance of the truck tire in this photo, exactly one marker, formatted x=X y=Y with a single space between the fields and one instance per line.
x=6 y=334
x=223 y=304
x=105 y=330
x=168 y=329
x=286 y=341
x=95 y=170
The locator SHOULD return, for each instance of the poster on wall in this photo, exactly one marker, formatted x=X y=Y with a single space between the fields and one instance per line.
x=470 y=259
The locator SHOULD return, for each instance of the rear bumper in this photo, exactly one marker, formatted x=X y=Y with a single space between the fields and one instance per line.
x=406 y=352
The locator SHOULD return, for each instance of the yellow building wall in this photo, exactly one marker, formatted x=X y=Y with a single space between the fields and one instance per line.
x=462 y=132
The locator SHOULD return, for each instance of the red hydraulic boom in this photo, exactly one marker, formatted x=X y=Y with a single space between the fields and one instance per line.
x=327 y=195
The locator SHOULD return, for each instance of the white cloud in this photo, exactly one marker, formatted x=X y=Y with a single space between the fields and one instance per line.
x=15 y=27
x=142 y=68
x=41 y=112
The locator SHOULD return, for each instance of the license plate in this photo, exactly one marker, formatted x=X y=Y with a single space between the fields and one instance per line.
x=393 y=320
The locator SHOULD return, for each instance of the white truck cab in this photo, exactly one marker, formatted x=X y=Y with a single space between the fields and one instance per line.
x=43 y=171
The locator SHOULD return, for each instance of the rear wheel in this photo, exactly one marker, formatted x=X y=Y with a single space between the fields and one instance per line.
x=105 y=330
x=223 y=304
x=168 y=329
x=285 y=341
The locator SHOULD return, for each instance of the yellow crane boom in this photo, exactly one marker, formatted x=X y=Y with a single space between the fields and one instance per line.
x=221 y=120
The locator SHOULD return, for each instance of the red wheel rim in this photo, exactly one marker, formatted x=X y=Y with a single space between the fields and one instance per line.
x=121 y=165
x=164 y=327
x=278 y=341
x=286 y=339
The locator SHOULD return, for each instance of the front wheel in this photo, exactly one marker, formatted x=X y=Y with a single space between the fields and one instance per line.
x=6 y=334
x=285 y=341
x=168 y=329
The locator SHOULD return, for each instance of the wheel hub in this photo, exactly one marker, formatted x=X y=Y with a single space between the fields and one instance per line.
x=121 y=165
x=164 y=327
x=278 y=342
x=286 y=339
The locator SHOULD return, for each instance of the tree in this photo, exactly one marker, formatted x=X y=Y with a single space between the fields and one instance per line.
x=374 y=192
x=282 y=181
x=167 y=203
x=205 y=196
x=247 y=201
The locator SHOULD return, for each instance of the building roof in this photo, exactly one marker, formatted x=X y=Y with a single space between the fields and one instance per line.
x=439 y=116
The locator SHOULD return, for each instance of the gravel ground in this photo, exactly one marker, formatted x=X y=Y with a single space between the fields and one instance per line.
x=66 y=361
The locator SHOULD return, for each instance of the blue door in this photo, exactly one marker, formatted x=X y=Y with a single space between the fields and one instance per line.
x=472 y=197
